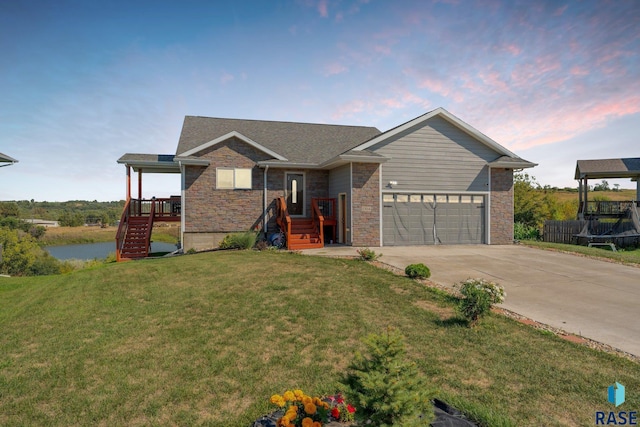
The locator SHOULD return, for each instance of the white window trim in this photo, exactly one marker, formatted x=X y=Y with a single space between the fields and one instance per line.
x=234 y=185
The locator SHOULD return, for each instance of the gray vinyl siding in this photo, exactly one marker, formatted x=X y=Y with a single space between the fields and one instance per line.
x=435 y=156
x=340 y=182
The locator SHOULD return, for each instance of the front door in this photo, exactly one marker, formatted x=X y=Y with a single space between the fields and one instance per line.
x=295 y=193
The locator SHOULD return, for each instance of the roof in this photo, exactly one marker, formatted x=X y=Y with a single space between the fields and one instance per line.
x=608 y=168
x=507 y=159
x=294 y=143
x=6 y=159
x=158 y=163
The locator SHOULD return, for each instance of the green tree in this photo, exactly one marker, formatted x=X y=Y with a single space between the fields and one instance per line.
x=387 y=389
x=22 y=256
x=8 y=209
x=529 y=206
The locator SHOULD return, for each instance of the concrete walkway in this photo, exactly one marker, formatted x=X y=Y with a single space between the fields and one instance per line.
x=595 y=299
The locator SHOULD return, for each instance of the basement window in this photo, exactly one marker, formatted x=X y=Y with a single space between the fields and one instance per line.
x=233 y=178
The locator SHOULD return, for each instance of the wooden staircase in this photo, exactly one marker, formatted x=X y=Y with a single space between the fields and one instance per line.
x=136 y=241
x=303 y=235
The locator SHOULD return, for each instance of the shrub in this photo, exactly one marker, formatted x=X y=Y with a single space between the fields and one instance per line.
x=522 y=231
x=478 y=297
x=367 y=254
x=386 y=389
x=417 y=271
x=246 y=240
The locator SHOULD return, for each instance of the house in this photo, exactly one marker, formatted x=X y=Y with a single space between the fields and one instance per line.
x=432 y=180
x=6 y=160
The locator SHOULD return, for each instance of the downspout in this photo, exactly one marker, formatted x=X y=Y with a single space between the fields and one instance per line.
x=182 y=203
x=489 y=209
x=264 y=202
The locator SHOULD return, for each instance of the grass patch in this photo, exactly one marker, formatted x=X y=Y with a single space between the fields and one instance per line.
x=55 y=236
x=206 y=339
x=629 y=256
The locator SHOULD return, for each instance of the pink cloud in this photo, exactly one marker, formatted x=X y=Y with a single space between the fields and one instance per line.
x=226 y=78
x=334 y=69
x=560 y=10
x=323 y=8
x=382 y=49
x=577 y=70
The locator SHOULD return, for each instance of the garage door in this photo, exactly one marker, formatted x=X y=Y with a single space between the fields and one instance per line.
x=426 y=219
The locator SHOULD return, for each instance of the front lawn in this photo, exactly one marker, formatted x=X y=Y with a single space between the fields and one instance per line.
x=206 y=339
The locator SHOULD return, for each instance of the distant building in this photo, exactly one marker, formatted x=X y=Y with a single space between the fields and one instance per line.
x=42 y=222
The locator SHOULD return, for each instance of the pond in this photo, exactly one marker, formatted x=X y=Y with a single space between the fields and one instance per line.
x=97 y=250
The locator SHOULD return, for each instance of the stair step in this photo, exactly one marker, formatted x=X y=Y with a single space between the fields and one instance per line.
x=299 y=246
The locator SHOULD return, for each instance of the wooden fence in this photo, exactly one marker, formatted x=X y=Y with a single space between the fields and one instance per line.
x=565 y=231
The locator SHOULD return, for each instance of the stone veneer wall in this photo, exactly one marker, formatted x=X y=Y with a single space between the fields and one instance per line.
x=365 y=204
x=210 y=214
x=501 y=215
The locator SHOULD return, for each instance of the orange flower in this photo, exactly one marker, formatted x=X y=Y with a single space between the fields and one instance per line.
x=289 y=396
x=310 y=408
x=307 y=422
x=298 y=394
x=317 y=424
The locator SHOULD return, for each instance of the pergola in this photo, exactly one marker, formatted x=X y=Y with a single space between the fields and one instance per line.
x=605 y=169
x=6 y=160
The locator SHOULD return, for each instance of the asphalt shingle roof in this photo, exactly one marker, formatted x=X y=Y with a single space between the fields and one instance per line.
x=608 y=168
x=297 y=142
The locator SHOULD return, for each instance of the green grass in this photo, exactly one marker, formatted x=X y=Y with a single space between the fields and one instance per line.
x=628 y=255
x=206 y=339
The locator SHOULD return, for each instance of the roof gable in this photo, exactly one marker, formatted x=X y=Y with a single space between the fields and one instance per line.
x=232 y=134
x=302 y=143
x=440 y=112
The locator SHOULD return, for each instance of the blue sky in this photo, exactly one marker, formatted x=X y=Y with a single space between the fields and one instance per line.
x=84 y=82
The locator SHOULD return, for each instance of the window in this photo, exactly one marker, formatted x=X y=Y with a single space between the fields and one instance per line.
x=233 y=178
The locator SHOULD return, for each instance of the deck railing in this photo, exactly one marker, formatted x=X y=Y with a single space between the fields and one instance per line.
x=282 y=217
x=122 y=228
x=327 y=206
x=318 y=219
x=606 y=208
x=165 y=209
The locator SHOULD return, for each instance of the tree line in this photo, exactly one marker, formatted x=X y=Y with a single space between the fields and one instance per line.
x=72 y=213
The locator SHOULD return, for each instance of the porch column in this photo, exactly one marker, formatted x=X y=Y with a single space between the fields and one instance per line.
x=579 y=214
x=128 y=183
x=139 y=184
x=637 y=189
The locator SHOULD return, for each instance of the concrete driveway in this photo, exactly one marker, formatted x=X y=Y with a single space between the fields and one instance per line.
x=595 y=299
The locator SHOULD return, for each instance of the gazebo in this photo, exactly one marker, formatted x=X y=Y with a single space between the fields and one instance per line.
x=622 y=222
x=6 y=160
x=605 y=169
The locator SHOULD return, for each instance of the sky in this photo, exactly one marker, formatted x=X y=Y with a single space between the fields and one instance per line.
x=83 y=82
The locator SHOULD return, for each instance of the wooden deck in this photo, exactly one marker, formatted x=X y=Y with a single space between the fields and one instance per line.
x=133 y=239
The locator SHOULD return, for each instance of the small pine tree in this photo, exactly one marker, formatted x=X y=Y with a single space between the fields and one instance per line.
x=386 y=389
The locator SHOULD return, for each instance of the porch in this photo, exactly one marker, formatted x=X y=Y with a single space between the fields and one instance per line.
x=308 y=233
